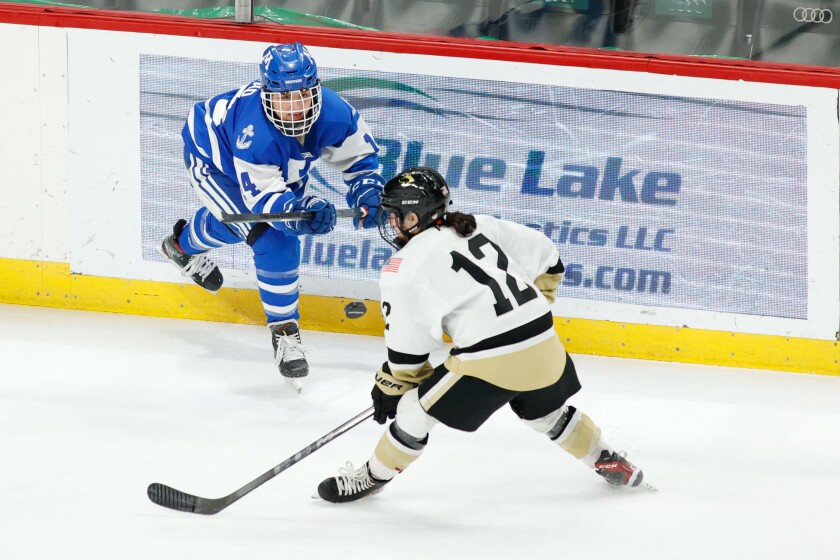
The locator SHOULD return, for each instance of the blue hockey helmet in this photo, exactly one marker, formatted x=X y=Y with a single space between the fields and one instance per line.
x=291 y=90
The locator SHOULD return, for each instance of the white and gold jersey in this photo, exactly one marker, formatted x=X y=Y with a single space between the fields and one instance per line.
x=479 y=290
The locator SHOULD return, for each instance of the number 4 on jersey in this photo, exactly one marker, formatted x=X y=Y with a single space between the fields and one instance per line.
x=247 y=184
x=503 y=304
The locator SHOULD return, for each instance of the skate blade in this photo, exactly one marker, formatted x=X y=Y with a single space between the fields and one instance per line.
x=295 y=383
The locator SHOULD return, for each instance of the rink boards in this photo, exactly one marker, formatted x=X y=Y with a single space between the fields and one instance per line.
x=698 y=215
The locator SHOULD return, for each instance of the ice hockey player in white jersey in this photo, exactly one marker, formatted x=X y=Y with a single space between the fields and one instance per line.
x=489 y=285
x=250 y=151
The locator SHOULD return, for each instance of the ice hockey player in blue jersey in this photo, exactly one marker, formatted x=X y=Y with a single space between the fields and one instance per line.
x=250 y=151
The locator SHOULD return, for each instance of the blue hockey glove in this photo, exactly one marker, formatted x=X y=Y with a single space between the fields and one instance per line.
x=365 y=191
x=323 y=222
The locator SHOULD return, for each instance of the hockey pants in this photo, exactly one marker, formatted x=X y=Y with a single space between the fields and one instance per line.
x=276 y=255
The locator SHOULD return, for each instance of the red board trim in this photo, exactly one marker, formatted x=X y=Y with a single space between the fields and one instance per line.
x=135 y=22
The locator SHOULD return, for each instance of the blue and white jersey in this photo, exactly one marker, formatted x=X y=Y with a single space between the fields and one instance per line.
x=232 y=133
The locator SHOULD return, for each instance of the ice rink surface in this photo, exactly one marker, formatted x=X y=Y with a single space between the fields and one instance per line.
x=94 y=407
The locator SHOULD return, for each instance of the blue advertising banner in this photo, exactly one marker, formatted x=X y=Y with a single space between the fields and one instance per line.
x=652 y=200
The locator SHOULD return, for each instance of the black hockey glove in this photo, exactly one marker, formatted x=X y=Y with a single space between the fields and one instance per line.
x=386 y=394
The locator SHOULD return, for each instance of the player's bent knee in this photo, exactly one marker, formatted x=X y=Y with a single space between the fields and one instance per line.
x=576 y=433
x=569 y=428
x=208 y=228
x=411 y=418
x=257 y=232
x=551 y=421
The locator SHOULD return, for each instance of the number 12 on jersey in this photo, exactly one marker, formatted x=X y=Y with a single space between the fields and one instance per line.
x=503 y=304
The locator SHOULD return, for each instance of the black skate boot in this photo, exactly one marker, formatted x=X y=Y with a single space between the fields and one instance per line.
x=289 y=352
x=350 y=485
x=198 y=268
x=617 y=470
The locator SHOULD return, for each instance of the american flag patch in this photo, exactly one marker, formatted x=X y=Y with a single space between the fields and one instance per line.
x=393 y=264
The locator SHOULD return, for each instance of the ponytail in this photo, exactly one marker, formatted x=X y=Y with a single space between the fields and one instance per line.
x=463 y=224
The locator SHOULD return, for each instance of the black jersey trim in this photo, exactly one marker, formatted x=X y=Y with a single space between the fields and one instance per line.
x=557 y=268
x=407 y=439
x=256 y=231
x=409 y=359
x=513 y=336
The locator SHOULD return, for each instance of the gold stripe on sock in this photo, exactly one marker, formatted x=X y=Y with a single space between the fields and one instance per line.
x=393 y=454
x=583 y=438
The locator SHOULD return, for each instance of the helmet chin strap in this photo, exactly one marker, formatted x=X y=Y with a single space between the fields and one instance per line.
x=411 y=231
x=407 y=235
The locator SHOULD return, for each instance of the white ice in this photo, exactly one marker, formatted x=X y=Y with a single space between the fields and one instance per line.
x=94 y=407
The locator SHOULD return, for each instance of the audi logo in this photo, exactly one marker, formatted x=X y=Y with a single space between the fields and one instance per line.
x=689 y=6
x=812 y=15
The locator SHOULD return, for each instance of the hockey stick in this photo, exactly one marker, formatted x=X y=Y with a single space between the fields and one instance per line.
x=289 y=216
x=169 y=497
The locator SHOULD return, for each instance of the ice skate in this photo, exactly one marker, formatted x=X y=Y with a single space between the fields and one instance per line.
x=350 y=485
x=199 y=268
x=617 y=470
x=289 y=353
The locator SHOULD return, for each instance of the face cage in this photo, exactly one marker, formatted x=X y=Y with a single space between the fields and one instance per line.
x=292 y=128
x=388 y=232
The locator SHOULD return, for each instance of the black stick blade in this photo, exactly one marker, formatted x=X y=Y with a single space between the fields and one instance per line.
x=169 y=497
